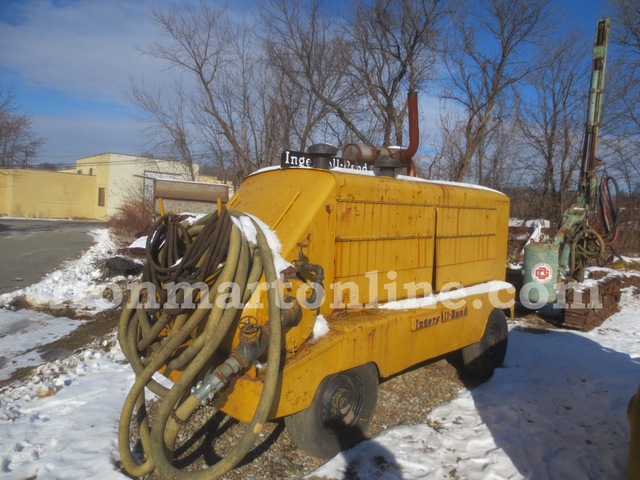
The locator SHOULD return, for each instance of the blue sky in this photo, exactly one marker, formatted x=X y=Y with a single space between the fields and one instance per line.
x=69 y=62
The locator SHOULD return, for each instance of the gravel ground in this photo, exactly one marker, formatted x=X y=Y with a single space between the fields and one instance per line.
x=404 y=399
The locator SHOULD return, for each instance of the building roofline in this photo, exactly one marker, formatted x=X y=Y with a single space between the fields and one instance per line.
x=126 y=155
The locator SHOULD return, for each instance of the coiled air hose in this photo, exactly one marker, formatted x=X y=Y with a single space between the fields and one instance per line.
x=212 y=251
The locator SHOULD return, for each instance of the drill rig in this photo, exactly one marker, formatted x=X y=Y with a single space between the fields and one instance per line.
x=553 y=270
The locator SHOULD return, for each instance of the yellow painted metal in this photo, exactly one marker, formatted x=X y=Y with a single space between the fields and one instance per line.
x=256 y=307
x=354 y=224
x=392 y=339
x=378 y=239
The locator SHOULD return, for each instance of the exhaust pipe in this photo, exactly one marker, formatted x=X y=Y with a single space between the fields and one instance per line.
x=414 y=131
x=403 y=157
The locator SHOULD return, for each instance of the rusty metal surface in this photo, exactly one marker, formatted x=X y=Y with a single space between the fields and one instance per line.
x=589 y=162
x=407 y=227
x=392 y=339
x=576 y=242
x=414 y=131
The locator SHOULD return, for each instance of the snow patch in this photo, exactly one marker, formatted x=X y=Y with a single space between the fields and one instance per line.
x=274 y=244
x=22 y=332
x=192 y=217
x=62 y=422
x=518 y=222
x=247 y=227
x=245 y=224
x=452 y=184
x=561 y=396
x=320 y=328
x=139 y=243
x=458 y=294
x=373 y=173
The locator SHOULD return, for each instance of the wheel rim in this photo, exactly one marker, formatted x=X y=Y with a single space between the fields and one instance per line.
x=342 y=402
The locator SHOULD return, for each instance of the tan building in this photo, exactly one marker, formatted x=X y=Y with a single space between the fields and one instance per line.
x=44 y=194
x=94 y=189
x=121 y=178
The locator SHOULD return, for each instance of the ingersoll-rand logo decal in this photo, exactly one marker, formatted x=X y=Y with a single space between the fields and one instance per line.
x=442 y=317
x=291 y=159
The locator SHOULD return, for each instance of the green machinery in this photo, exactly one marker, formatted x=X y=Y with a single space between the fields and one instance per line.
x=549 y=264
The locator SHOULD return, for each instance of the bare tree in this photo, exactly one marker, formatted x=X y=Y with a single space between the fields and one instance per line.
x=488 y=58
x=626 y=19
x=302 y=45
x=395 y=47
x=495 y=166
x=551 y=116
x=243 y=101
x=317 y=78
x=621 y=122
x=220 y=109
x=356 y=71
x=166 y=112
x=18 y=143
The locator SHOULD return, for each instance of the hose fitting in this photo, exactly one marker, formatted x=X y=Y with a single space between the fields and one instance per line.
x=212 y=251
x=254 y=340
x=215 y=382
x=310 y=272
x=290 y=317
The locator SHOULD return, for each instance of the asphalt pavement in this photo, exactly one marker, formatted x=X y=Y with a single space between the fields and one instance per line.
x=29 y=249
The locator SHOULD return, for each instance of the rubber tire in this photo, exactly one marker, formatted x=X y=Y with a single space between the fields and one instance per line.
x=311 y=429
x=482 y=358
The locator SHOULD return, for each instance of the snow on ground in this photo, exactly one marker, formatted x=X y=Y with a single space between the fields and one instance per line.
x=139 y=243
x=518 y=222
x=22 y=332
x=62 y=423
x=556 y=409
x=75 y=284
x=536 y=227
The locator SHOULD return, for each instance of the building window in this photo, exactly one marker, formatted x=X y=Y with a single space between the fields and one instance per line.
x=79 y=172
x=101 y=197
x=91 y=171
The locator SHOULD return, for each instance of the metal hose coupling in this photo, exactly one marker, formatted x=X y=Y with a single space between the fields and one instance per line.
x=215 y=382
x=253 y=342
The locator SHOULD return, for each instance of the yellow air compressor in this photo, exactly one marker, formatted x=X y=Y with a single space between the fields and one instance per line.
x=320 y=277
